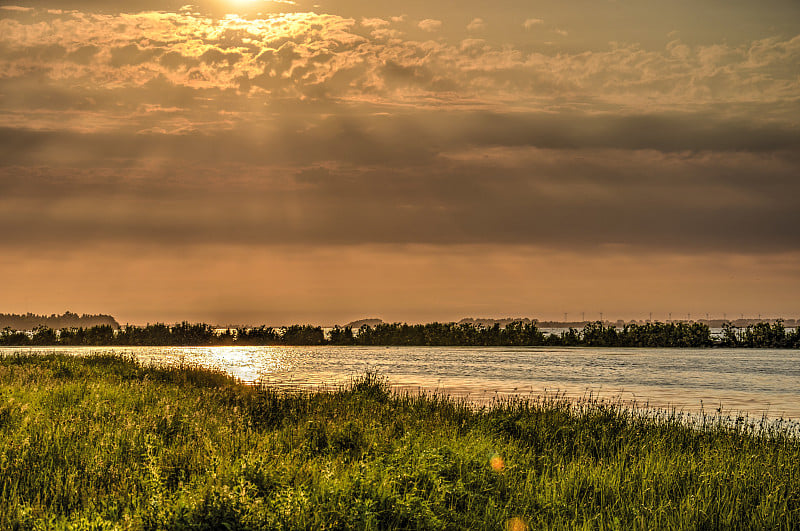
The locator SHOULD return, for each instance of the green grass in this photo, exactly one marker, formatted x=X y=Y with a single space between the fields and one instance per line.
x=102 y=442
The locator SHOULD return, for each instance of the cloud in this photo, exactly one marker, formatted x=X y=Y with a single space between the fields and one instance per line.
x=532 y=22
x=310 y=129
x=477 y=24
x=484 y=179
x=304 y=55
x=430 y=25
x=374 y=22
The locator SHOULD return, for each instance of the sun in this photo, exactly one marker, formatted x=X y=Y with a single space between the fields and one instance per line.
x=244 y=5
x=260 y=4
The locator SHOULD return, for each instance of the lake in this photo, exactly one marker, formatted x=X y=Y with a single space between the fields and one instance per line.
x=758 y=382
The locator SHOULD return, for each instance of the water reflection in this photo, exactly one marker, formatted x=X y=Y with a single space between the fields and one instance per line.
x=754 y=381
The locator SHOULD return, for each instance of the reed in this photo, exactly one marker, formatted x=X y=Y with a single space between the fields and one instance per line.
x=103 y=442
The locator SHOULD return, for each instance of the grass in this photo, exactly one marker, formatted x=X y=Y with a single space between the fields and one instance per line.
x=103 y=442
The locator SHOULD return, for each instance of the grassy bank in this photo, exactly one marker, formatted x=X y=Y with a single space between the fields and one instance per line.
x=102 y=442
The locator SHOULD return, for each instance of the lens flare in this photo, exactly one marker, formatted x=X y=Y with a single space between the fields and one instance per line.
x=497 y=463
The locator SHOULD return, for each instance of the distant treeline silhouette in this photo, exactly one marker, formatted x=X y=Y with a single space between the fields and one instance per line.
x=32 y=321
x=596 y=334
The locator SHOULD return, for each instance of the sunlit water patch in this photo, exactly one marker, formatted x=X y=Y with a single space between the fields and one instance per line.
x=756 y=382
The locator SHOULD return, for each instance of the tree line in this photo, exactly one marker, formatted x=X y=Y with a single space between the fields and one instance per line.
x=30 y=321
x=595 y=334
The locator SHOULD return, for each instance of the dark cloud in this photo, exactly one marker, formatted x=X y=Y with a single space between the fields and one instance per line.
x=84 y=54
x=670 y=132
x=214 y=56
x=571 y=199
x=43 y=53
x=176 y=60
x=411 y=138
x=132 y=54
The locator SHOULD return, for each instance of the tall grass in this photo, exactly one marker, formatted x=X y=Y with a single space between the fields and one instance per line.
x=103 y=442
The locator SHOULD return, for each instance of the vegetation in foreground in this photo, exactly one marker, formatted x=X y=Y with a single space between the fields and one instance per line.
x=103 y=442
x=517 y=333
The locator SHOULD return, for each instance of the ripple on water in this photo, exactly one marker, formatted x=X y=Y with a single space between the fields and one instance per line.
x=758 y=382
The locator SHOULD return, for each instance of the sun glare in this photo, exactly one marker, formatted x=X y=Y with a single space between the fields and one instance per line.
x=260 y=4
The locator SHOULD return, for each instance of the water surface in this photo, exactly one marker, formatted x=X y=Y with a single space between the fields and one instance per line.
x=756 y=381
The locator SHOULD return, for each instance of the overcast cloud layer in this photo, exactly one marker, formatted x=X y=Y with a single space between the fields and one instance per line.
x=265 y=124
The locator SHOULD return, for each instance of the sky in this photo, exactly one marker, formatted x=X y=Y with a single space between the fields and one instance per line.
x=277 y=162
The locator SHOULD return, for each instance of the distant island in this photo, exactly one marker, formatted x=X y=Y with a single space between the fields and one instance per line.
x=32 y=321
